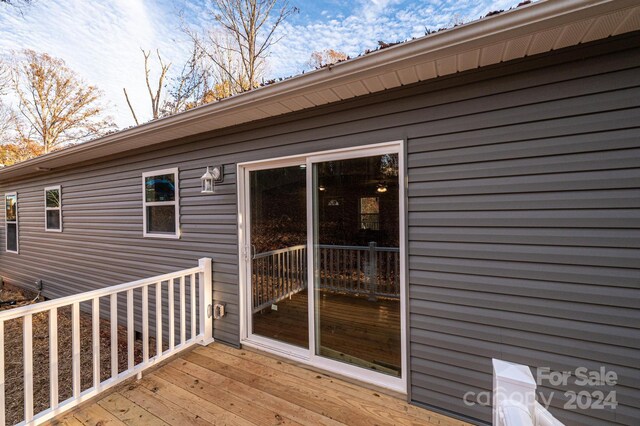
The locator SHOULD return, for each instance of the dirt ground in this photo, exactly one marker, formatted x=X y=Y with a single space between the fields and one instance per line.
x=13 y=348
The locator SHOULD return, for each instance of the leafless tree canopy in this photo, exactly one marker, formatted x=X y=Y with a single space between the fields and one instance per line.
x=239 y=45
x=5 y=77
x=57 y=106
x=154 y=90
x=190 y=87
x=326 y=57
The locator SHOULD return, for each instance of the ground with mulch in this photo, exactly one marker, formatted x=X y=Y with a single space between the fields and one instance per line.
x=13 y=347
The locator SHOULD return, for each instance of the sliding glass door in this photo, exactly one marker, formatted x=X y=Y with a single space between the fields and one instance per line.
x=278 y=255
x=323 y=261
x=356 y=267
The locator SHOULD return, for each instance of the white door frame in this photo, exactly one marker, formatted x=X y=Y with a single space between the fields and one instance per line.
x=304 y=355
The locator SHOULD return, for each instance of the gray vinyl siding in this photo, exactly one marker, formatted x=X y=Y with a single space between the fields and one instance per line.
x=523 y=218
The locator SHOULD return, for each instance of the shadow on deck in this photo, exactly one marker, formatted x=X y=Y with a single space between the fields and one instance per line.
x=222 y=385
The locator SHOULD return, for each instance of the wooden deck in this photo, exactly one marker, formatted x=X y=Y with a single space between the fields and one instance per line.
x=226 y=386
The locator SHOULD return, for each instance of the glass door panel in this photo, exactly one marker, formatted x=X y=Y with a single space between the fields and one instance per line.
x=356 y=225
x=279 y=254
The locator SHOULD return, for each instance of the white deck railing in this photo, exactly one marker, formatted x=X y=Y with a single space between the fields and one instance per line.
x=365 y=270
x=199 y=282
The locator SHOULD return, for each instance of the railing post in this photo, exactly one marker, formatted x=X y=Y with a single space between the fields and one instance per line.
x=206 y=301
x=514 y=393
x=373 y=271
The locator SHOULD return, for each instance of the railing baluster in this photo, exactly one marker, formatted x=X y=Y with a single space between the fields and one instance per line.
x=114 y=334
x=280 y=275
x=27 y=344
x=358 y=270
x=145 y=324
x=397 y=272
x=95 y=325
x=183 y=322
x=299 y=269
x=285 y=273
x=158 y=319
x=53 y=357
x=2 y=384
x=172 y=325
x=268 y=294
x=130 y=330
x=260 y=284
x=75 y=343
x=192 y=283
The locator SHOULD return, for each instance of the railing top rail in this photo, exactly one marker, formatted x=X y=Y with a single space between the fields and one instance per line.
x=279 y=251
x=324 y=246
x=89 y=295
x=377 y=248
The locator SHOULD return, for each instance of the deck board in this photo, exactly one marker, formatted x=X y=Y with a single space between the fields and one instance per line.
x=226 y=386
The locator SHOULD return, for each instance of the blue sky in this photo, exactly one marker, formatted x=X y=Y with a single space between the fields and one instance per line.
x=101 y=40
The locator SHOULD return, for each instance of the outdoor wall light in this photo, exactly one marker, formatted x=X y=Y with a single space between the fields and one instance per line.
x=210 y=178
x=322 y=188
x=382 y=188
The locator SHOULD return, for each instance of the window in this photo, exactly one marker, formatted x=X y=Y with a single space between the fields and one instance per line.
x=53 y=209
x=161 y=204
x=370 y=213
x=11 y=221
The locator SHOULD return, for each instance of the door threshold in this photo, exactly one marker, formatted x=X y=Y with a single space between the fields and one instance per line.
x=303 y=361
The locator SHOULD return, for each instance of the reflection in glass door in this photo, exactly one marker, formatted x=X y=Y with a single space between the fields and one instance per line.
x=356 y=234
x=278 y=255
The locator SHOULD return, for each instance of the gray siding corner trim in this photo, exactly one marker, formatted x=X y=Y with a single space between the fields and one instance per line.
x=523 y=219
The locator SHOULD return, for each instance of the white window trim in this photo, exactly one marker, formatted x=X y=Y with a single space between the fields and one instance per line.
x=6 y=222
x=59 y=208
x=175 y=203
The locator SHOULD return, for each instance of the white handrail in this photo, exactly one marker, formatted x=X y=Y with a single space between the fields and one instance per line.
x=83 y=297
x=198 y=307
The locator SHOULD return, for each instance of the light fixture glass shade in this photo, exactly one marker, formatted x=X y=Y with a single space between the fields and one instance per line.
x=208 y=185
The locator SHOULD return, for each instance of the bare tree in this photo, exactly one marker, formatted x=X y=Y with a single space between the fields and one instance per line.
x=57 y=106
x=155 y=92
x=5 y=77
x=326 y=57
x=240 y=45
x=189 y=89
x=6 y=121
x=17 y=4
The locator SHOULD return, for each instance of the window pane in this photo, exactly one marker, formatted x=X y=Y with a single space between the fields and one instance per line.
x=369 y=205
x=53 y=198
x=160 y=188
x=161 y=219
x=12 y=237
x=53 y=219
x=356 y=268
x=11 y=207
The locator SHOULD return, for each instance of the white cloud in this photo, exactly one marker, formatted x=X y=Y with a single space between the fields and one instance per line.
x=372 y=9
x=371 y=21
x=100 y=41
